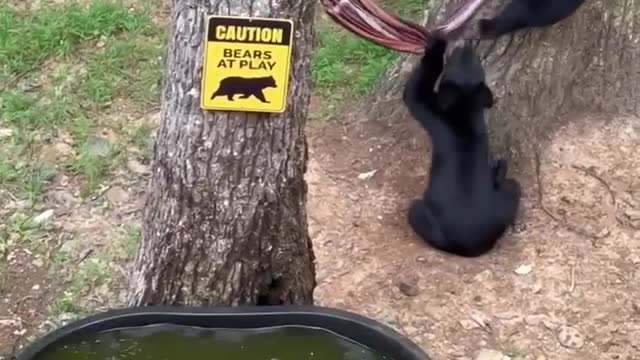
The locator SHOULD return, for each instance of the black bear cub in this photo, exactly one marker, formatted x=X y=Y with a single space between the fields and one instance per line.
x=522 y=14
x=469 y=203
x=235 y=85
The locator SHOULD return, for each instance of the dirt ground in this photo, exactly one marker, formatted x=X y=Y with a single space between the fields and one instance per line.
x=563 y=285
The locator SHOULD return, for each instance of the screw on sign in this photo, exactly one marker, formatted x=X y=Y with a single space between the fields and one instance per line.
x=246 y=64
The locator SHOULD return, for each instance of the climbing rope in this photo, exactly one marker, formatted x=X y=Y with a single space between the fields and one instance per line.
x=367 y=20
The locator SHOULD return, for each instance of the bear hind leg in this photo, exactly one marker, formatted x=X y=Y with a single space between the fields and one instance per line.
x=261 y=97
x=426 y=226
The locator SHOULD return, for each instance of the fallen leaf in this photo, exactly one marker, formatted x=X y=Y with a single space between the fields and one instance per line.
x=523 y=269
x=481 y=319
x=490 y=354
x=367 y=175
x=5 y=133
x=43 y=217
x=468 y=324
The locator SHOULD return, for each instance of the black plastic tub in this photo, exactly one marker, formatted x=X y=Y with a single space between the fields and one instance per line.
x=372 y=334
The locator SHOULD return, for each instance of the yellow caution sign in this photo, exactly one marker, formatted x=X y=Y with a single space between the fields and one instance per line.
x=246 y=64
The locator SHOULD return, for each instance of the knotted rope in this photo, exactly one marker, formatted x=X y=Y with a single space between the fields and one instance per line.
x=367 y=20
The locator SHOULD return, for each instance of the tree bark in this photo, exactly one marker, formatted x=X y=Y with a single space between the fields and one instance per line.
x=585 y=64
x=225 y=220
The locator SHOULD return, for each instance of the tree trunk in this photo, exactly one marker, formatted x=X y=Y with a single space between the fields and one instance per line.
x=585 y=64
x=225 y=220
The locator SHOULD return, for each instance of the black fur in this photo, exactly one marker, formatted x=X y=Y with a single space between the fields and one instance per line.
x=522 y=14
x=469 y=203
x=235 y=85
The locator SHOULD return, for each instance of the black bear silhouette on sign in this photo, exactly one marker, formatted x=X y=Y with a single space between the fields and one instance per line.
x=234 y=85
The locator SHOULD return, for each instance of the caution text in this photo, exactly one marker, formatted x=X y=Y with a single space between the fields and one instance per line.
x=247 y=59
x=249 y=33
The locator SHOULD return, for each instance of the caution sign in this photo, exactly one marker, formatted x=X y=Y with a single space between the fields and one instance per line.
x=246 y=64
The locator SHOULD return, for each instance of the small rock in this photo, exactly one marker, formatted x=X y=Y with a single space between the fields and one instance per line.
x=138 y=168
x=5 y=133
x=512 y=322
x=551 y=324
x=469 y=324
x=633 y=214
x=38 y=262
x=66 y=318
x=570 y=337
x=65 y=136
x=421 y=259
x=63 y=197
x=411 y=331
x=603 y=233
x=519 y=228
x=535 y=320
x=117 y=195
x=9 y=322
x=43 y=217
x=523 y=269
x=35 y=287
x=389 y=318
x=483 y=277
x=537 y=287
x=489 y=354
x=155 y=118
x=409 y=286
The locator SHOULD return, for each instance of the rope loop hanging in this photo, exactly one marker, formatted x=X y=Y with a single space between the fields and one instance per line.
x=367 y=20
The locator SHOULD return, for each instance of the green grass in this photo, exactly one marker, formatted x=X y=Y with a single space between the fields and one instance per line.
x=128 y=67
x=344 y=64
x=26 y=40
x=67 y=303
x=92 y=273
x=407 y=9
x=131 y=242
x=72 y=62
x=66 y=71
